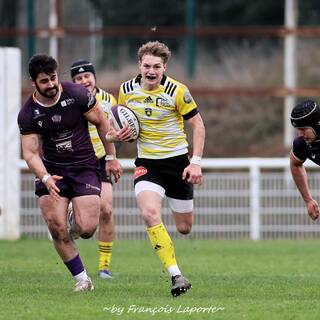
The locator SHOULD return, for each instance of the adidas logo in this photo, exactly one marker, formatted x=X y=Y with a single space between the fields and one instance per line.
x=148 y=99
x=81 y=70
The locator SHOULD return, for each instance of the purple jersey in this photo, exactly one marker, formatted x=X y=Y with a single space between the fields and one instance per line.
x=62 y=127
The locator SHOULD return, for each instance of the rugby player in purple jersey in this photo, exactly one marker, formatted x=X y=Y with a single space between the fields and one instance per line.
x=57 y=148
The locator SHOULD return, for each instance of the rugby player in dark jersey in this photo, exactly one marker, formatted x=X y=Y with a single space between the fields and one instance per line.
x=57 y=148
x=306 y=118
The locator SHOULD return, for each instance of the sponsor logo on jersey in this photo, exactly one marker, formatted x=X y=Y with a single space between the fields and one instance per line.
x=67 y=102
x=139 y=171
x=62 y=135
x=148 y=99
x=56 y=118
x=187 y=98
x=65 y=146
x=37 y=114
x=148 y=111
x=161 y=102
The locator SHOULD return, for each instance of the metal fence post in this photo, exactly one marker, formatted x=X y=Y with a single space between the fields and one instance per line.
x=254 y=200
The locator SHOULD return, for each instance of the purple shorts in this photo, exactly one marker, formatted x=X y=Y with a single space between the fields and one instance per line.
x=76 y=182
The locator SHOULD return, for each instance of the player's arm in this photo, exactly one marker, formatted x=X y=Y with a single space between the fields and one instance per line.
x=198 y=133
x=187 y=107
x=97 y=117
x=193 y=172
x=299 y=176
x=31 y=153
x=123 y=135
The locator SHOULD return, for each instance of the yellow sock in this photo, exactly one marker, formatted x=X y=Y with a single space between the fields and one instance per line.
x=105 y=252
x=162 y=244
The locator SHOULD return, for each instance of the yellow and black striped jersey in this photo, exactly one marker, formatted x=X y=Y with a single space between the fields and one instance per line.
x=107 y=101
x=161 y=113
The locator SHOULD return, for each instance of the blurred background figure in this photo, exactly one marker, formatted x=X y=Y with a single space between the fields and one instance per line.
x=83 y=73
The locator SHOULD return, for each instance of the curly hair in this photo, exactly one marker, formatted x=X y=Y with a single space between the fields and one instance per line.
x=41 y=63
x=155 y=48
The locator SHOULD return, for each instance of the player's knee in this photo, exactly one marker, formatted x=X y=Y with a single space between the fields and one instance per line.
x=105 y=214
x=87 y=234
x=149 y=215
x=184 y=228
x=58 y=233
x=87 y=231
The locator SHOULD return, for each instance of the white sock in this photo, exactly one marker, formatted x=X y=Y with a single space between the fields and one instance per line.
x=81 y=276
x=174 y=270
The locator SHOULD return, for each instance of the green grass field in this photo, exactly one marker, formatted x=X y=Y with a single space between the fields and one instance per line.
x=231 y=280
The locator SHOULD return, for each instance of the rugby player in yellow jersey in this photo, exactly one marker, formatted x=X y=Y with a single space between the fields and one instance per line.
x=162 y=105
x=83 y=73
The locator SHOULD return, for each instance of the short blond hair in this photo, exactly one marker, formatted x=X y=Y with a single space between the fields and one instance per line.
x=155 y=48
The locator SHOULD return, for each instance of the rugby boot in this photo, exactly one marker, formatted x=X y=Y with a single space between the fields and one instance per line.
x=180 y=285
x=105 y=274
x=84 y=285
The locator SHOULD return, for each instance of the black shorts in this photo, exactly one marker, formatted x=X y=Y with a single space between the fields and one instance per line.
x=103 y=173
x=76 y=182
x=167 y=173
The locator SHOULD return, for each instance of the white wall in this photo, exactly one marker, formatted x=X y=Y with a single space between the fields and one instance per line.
x=10 y=102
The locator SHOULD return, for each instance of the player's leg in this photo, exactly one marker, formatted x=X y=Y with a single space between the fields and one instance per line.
x=183 y=216
x=182 y=211
x=149 y=203
x=71 y=223
x=54 y=213
x=85 y=188
x=180 y=195
x=86 y=210
x=106 y=231
x=183 y=222
x=152 y=180
x=180 y=198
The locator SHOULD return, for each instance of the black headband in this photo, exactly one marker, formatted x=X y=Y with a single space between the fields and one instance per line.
x=80 y=67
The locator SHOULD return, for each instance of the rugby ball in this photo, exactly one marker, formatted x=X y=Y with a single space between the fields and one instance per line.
x=123 y=116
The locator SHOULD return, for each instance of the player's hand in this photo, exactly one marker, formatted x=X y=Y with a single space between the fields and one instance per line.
x=52 y=187
x=113 y=167
x=313 y=209
x=125 y=134
x=193 y=174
